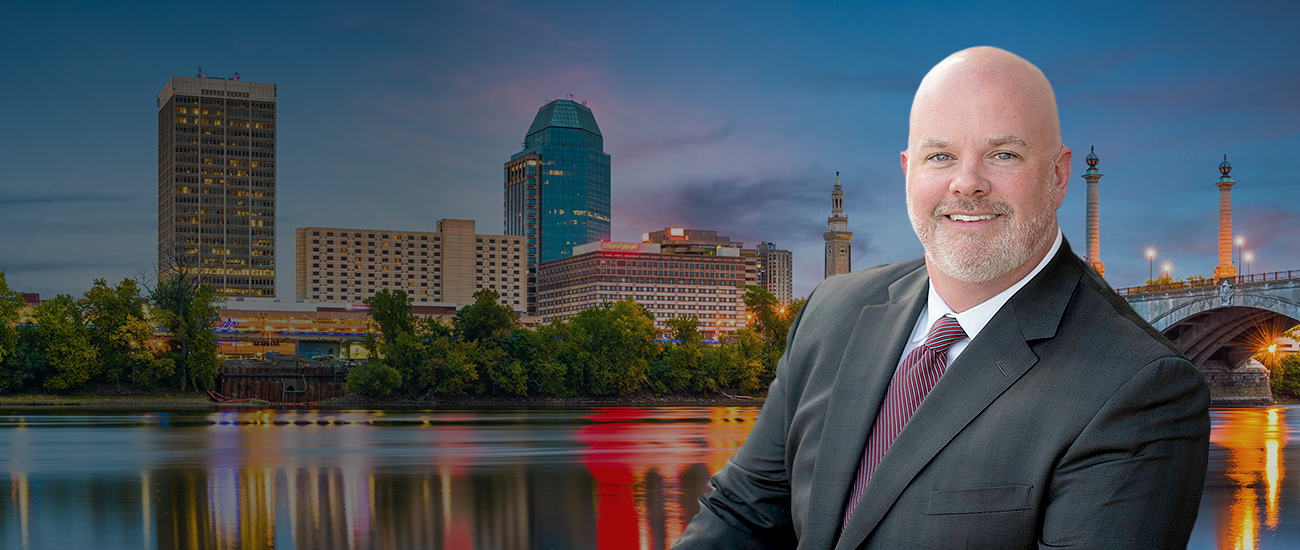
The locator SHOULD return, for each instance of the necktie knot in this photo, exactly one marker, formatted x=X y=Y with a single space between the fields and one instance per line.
x=945 y=332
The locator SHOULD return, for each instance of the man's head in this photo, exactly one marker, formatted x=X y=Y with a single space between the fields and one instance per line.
x=984 y=164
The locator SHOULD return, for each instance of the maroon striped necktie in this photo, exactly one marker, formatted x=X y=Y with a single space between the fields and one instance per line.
x=913 y=379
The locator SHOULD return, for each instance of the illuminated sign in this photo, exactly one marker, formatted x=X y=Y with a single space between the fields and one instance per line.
x=620 y=247
x=676 y=232
x=645 y=237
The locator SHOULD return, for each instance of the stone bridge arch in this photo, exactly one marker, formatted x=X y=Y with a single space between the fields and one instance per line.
x=1221 y=327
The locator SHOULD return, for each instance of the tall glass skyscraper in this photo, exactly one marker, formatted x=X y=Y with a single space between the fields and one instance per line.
x=557 y=187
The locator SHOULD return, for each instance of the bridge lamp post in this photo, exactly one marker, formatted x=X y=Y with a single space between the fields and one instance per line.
x=1249 y=257
x=1151 y=262
x=1240 y=241
x=1167 y=268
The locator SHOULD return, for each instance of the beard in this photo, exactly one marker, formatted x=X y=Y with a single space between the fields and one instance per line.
x=982 y=257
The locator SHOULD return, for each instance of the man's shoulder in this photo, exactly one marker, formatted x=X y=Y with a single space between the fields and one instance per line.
x=1111 y=315
x=850 y=292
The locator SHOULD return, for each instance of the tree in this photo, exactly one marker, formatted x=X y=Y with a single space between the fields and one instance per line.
x=771 y=320
x=25 y=366
x=391 y=312
x=611 y=348
x=11 y=303
x=68 y=350
x=485 y=319
x=186 y=308
x=683 y=365
x=374 y=379
x=451 y=369
x=756 y=362
x=536 y=351
x=1285 y=377
x=117 y=326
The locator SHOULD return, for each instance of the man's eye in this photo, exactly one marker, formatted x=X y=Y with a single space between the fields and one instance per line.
x=942 y=157
x=1004 y=156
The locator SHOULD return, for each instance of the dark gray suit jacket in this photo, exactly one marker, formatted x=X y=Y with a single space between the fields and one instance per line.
x=1067 y=422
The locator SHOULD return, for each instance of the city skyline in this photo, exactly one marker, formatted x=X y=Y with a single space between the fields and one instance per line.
x=727 y=120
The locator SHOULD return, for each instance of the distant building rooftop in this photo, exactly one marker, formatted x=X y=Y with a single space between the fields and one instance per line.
x=564 y=113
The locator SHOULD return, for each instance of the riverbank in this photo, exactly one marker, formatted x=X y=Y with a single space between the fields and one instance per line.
x=636 y=400
x=185 y=399
x=100 y=400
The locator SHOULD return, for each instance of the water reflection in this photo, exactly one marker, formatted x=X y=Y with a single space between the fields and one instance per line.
x=608 y=478
x=578 y=478
x=1253 y=440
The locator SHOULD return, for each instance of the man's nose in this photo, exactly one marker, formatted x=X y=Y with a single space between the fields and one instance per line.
x=970 y=180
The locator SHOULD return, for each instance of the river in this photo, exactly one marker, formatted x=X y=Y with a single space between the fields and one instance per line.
x=561 y=478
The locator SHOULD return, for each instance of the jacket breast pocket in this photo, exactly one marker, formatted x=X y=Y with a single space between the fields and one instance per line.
x=979 y=500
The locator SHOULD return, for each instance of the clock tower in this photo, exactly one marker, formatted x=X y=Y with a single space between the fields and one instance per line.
x=839 y=256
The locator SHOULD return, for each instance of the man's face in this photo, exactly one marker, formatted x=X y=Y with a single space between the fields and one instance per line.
x=982 y=177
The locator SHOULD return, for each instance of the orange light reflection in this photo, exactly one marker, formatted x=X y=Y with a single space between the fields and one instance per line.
x=1254 y=439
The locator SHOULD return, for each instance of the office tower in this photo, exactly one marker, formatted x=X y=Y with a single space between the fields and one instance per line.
x=447 y=266
x=216 y=183
x=557 y=188
x=775 y=271
x=839 y=255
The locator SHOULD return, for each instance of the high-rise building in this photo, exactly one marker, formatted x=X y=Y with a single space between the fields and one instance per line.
x=557 y=188
x=216 y=183
x=444 y=267
x=775 y=269
x=839 y=252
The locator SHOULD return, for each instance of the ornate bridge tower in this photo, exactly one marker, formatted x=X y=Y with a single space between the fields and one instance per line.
x=1092 y=176
x=1225 y=269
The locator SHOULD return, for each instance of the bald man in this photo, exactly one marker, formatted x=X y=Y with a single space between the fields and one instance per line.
x=994 y=394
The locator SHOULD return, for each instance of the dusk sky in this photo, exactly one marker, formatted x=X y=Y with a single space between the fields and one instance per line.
x=727 y=116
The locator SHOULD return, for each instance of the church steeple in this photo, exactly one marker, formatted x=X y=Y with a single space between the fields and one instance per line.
x=839 y=258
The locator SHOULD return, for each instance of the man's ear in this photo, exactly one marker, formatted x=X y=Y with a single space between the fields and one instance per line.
x=1063 y=174
x=902 y=159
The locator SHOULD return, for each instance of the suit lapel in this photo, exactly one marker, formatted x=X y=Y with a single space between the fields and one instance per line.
x=989 y=365
x=865 y=369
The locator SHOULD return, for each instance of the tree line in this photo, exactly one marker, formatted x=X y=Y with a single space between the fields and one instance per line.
x=609 y=350
x=107 y=337
x=162 y=336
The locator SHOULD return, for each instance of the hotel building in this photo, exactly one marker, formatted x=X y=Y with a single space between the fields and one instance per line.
x=677 y=240
x=445 y=267
x=670 y=283
x=216 y=183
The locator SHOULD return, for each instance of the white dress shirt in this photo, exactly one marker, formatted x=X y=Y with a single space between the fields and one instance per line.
x=974 y=319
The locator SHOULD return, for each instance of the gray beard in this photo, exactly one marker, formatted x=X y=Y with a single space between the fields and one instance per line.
x=971 y=259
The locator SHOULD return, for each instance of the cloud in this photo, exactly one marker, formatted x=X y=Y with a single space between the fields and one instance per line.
x=755 y=208
x=53 y=199
x=24 y=266
x=653 y=147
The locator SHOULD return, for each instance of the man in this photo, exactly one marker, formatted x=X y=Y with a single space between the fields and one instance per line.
x=996 y=394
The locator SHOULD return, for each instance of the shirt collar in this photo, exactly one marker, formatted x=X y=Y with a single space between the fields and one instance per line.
x=974 y=319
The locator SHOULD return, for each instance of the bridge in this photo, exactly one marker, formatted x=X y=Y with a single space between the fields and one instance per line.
x=1220 y=324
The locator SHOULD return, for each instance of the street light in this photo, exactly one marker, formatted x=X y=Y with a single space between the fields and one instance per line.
x=1240 y=241
x=1151 y=259
x=1249 y=257
x=1167 y=267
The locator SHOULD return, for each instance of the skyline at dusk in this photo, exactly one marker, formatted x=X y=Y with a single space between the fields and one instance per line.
x=732 y=118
